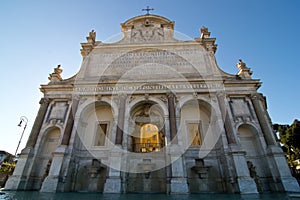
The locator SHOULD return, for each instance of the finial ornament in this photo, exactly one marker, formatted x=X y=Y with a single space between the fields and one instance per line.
x=244 y=71
x=55 y=76
x=204 y=32
x=241 y=64
x=148 y=9
x=92 y=37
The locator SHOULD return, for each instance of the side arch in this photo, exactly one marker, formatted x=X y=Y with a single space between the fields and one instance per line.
x=249 y=140
x=96 y=118
x=43 y=160
x=255 y=156
x=90 y=104
x=198 y=118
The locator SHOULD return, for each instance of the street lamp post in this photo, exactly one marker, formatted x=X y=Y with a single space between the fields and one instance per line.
x=25 y=120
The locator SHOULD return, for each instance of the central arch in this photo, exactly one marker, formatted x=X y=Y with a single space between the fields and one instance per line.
x=146 y=140
x=146 y=128
x=150 y=139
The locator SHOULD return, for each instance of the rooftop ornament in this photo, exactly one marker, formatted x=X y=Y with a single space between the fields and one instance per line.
x=55 y=76
x=148 y=9
x=244 y=71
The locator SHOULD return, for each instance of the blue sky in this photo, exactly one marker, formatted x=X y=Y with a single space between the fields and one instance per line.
x=36 y=36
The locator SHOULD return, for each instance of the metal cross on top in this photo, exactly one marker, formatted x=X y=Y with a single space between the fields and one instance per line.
x=147 y=9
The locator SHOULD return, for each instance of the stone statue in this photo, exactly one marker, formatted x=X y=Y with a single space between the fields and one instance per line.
x=241 y=64
x=253 y=174
x=252 y=169
x=92 y=35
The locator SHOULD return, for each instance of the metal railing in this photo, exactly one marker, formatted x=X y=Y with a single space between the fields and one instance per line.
x=147 y=147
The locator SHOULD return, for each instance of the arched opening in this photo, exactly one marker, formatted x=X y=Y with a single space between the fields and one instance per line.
x=199 y=134
x=150 y=139
x=44 y=157
x=147 y=128
x=95 y=127
x=95 y=133
x=257 y=165
x=249 y=141
x=195 y=119
x=146 y=139
x=50 y=142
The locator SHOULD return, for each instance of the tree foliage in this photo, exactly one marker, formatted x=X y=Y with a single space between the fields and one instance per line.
x=7 y=168
x=290 y=139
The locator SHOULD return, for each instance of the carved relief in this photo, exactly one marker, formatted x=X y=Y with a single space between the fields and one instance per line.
x=146 y=96
x=147 y=33
x=99 y=97
x=148 y=28
x=195 y=95
x=241 y=109
x=44 y=100
x=163 y=99
x=131 y=98
x=58 y=111
x=82 y=100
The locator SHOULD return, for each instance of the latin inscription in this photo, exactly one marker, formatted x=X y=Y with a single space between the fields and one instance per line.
x=179 y=59
x=120 y=88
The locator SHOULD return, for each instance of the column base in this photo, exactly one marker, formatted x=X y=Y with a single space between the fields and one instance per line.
x=15 y=182
x=247 y=186
x=50 y=184
x=19 y=179
x=287 y=183
x=290 y=184
x=179 y=186
x=112 y=185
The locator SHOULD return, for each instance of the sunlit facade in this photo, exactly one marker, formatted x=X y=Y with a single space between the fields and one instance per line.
x=152 y=114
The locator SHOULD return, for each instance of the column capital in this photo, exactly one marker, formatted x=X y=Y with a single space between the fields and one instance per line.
x=122 y=95
x=75 y=97
x=220 y=94
x=171 y=95
x=44 y=101
x=256 y=96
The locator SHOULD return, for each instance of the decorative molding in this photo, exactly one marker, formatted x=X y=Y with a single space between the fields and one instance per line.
x=44 y=101
x=58 y=111
x=241 y=109
x=163 y=99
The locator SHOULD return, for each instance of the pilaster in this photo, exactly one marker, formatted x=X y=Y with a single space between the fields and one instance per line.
x=276 y=158
x=19 y=178
x=263 y=119
x=120 y=125
x=172 y=119
x=178 y=184
x=283 y=180
x=113 y=182
x=44 y=103
x=227 y=122
x=70 y=122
